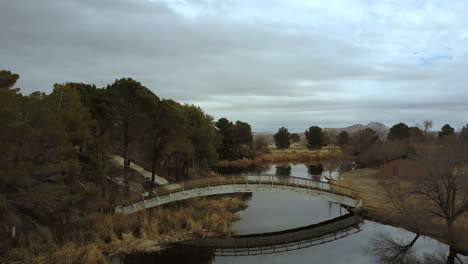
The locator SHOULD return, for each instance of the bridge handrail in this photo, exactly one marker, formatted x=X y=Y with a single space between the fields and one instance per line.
x=170 y=188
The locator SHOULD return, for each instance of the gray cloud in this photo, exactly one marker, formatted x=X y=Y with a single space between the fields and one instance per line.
x=271 y=63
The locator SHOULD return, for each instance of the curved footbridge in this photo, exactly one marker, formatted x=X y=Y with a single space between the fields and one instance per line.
x=245 y=183
x=282 y=241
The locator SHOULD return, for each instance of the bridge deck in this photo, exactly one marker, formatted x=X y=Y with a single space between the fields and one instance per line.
x=247 y=183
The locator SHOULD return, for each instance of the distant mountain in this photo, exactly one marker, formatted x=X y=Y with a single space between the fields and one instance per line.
x=381 y=129
x=378 y=127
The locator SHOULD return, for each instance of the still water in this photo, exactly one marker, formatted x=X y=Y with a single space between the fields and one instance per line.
x=270 y=212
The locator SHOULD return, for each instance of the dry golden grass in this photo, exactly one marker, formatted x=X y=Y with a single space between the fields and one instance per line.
x=293 y=155
x=73 y=254
x=89 y=239
x=377 y=206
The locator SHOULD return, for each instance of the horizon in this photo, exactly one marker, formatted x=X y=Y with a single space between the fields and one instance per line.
x=268 y=63
x=432 y=130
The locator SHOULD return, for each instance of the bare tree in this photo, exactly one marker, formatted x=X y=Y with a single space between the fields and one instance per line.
x=445 y=189
x=328 y=137
x=427 y=125
x=442 y=193
x=389 y=251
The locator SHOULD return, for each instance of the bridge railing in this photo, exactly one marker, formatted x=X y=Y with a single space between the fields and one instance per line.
x=255 y=179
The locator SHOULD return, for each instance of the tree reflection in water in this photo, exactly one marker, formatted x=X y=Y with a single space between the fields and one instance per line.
x=283 y=170
x=173 y=255
x=315 y=171
x=388 y=250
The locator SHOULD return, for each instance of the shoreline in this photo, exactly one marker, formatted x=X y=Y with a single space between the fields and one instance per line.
x=377 y=208
x=286 y=156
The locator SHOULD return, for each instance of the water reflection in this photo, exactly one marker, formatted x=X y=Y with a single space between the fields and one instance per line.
x=175 y=254
x=316 y=171
x=233 y=170
x=390 y=250
x=269 y=212
x=283 y=170
x=282 y=241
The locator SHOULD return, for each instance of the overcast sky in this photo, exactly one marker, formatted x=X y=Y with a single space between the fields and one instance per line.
x=272 y=63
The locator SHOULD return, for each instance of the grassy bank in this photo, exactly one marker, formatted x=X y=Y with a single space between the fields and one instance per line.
x=94 y=238
x=297 y=154
x=377 y=206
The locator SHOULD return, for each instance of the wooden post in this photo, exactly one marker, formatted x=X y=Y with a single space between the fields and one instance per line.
x=13 y=232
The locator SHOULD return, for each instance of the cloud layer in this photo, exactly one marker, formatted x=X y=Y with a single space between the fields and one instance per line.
x=271 y=63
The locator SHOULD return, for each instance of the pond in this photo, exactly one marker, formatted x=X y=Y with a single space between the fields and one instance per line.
x=271 y=212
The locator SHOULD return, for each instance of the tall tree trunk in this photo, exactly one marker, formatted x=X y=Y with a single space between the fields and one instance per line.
x=450 y=232
x=126 y=158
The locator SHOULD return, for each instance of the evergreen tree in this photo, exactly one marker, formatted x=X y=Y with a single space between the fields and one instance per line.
x=446 y=130
x=342 y=140
x=398 y=132
x=295 y=138
x=129 y=101
x=282 y=138
x=314 y=137
x=225 y=130
x=464 y=133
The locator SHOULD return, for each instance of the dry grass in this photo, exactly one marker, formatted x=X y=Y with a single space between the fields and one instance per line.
x=90 y=239
x=377 y=206
x=73 y=254
x=292 y=155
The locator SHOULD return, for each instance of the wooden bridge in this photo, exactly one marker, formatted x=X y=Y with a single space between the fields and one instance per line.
x=245 y=183
x=277 y=242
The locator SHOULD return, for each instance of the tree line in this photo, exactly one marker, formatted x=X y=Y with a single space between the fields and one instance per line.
x=317 y=137
x=55 y=146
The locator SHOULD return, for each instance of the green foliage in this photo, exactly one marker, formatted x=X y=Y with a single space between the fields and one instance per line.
x=242 y=134
x=8 y=79
x=282 y=138
x=76 y=117
x=398 y=132
x=464 y=133
x=342 y=140
x=295 y=138
x=225 y=130
x=446 y=130
x=314 y=137
x=40 y=168
x=202 y=134
x=236 y=139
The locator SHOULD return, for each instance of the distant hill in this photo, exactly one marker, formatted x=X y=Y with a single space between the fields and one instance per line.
x=380 y=128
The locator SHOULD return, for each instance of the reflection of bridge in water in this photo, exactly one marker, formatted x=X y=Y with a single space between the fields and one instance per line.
x=248 y=183
x=288 y=240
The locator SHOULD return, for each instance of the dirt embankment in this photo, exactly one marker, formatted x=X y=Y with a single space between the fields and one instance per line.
x=377 y=206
